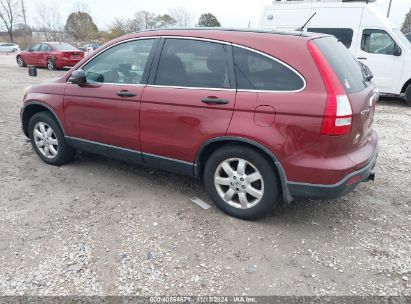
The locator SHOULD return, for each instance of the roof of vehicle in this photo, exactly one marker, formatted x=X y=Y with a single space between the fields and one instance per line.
x=230 y=35
x=180 y=31
x=54 y=42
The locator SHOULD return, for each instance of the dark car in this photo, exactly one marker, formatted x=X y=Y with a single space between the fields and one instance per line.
x=53 y=55
x=260 y=116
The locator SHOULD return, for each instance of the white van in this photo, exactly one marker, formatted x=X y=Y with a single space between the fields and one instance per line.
x=361 y=27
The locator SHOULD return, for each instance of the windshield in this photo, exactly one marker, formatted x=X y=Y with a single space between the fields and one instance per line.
x=402 y=38
x=64 y=47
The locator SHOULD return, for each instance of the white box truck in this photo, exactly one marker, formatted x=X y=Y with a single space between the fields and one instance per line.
x=361 y=27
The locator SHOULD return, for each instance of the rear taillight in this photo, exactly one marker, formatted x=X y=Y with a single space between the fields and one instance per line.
x=338 y=112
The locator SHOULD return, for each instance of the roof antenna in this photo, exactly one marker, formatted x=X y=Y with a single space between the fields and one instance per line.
x=305 y=24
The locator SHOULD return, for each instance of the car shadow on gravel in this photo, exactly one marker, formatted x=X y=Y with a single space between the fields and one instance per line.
x=299 y=212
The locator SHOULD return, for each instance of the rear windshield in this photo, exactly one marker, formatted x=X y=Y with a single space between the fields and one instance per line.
x=346 y=67
x=64 y=47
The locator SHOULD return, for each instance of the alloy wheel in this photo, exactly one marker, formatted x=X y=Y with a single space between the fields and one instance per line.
x=45 y=140
x=239 y=183
x=20 y=61
x=50 y=65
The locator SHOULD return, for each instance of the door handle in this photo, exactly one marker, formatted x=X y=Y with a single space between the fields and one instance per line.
x=214 y=100
x=362 y=58
x=125 y=93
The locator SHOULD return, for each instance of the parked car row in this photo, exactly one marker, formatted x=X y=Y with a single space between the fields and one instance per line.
x=259 y=116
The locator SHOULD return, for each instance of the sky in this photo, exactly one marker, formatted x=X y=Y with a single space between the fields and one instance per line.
x=230 y=13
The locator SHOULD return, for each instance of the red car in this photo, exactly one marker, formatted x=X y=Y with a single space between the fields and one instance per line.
x=259 y=116
x=53 y=55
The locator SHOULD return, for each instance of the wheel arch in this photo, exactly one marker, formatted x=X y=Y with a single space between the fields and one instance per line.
x=213 y=144
x=405 y=86
x=33 y=107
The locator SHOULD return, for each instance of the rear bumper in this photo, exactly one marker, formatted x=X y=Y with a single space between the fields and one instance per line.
x=346 y=185
x=62 y=62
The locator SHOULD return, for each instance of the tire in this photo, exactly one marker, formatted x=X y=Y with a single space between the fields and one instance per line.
x=259 y=195
x=47 y=140
x=51 y=65
x=408 y=95
x=14 y=50
x=20 y=62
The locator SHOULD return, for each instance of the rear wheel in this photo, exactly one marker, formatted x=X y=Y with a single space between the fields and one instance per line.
x=408 y=95
x=51 y=65
x=241 y=182
x=48 y=140
x=20 y=62
x=14 y=50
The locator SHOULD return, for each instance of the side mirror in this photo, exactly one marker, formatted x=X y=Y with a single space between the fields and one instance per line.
x=367 y=72
x=32 y=71
x=78 y=77
x=30 y=50
x=397 y=50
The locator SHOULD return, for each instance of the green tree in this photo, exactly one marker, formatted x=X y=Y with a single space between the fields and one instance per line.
x=406 y=26
x=165 y=21
x=81 y=26
x=117 y=28
x=208 y=20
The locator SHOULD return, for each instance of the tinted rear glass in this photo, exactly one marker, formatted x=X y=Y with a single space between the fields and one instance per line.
x=64 y=47
x=346 y=67
x=342 y=34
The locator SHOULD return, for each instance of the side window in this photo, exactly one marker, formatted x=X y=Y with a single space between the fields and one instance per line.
x=45 y=48
x=258 y=72
x=377 y=42
x=342 y=34
x=124 y=63
x=193 y=63
x=36 y=47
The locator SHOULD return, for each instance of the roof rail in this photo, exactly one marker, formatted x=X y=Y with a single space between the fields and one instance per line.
x=323 y=1
x=244 y=30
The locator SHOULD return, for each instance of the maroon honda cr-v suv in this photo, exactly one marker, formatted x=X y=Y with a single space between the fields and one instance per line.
x=260 y=116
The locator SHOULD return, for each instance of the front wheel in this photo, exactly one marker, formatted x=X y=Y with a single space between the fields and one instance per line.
x=241 y=182
x=47 y=140
x=408 y=95
x=21 y=62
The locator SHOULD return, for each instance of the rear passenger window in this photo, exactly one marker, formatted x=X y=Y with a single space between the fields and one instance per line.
x=193 y=63
x=255 y=71
x=342 y=34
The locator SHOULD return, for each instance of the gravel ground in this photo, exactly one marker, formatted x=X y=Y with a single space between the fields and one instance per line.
x=104 y=227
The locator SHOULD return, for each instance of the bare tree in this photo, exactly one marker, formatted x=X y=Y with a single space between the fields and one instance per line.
x=406 y=25
x=118 y=28
x=23 y=13
x=182 y=16
x=9 y=12
x=49 y=20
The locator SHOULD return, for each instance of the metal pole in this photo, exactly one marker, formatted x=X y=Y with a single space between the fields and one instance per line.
x=389 y=9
